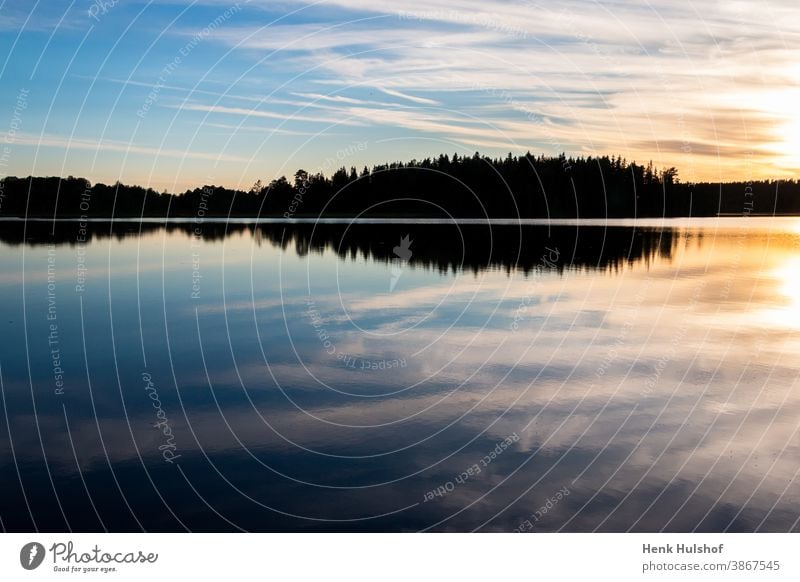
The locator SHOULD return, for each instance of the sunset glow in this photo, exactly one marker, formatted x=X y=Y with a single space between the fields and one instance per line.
x=176 y=94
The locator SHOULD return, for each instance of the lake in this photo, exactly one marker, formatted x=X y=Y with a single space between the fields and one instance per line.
x=400 y=376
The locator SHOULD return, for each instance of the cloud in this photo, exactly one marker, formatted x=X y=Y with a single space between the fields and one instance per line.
x=106 y=145
x=260 y=113
x=622 y=78
x=240 y=111
x=412 y=98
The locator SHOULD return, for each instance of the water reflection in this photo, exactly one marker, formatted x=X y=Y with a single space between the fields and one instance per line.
x=444 y=247
x=320 y=377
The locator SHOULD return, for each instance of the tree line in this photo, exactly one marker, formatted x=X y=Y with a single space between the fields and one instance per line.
x=475 y=186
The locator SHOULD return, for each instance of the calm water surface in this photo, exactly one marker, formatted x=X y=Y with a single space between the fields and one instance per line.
x=400 y=377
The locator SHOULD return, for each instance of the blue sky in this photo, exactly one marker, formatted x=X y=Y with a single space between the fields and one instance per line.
x=174 y=94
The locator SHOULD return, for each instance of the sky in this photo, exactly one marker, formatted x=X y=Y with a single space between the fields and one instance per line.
x=176 y=94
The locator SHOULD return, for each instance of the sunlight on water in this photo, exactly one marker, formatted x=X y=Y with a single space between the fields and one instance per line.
x=787 y=279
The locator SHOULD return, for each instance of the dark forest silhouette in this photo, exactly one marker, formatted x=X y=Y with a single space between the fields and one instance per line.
x=457 y=186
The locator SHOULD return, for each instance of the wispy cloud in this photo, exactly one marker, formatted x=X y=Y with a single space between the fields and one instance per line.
x=240 y=111
x=654 y=80
x=411 y=98
x=107 y=145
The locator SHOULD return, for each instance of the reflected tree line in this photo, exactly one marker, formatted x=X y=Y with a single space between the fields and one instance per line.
x=445 y=248
x=462 y=186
